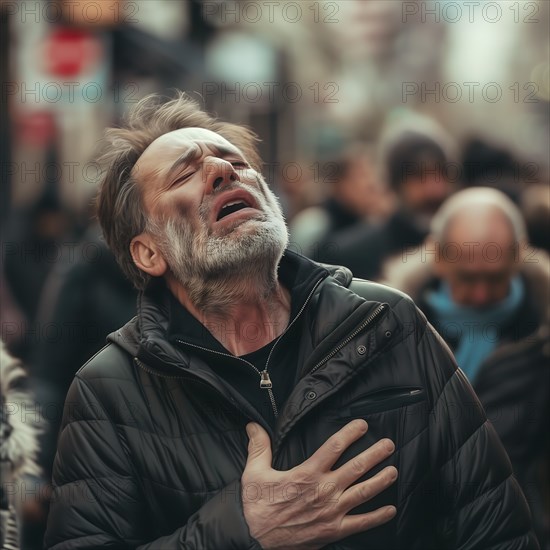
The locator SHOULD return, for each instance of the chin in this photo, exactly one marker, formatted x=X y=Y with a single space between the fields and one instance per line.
x=261 y=243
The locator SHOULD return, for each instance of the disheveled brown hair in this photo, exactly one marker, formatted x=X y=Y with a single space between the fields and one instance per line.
x=119 y=205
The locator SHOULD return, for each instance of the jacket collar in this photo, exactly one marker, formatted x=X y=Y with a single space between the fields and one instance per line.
x=152 y=335
x=333 y=320
x=296 y=273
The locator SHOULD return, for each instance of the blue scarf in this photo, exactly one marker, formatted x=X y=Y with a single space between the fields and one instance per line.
x=478 y=329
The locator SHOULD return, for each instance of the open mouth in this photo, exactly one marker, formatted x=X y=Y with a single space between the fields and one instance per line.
x=231 y=207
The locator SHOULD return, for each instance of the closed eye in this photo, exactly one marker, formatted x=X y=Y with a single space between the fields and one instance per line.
x=182 y=178
x=240 y=164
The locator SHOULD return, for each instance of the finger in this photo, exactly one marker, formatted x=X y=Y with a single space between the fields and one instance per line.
x=330 y=451
x=365 y=491
x=359 y=465
x=357 y=523
x=259 y=447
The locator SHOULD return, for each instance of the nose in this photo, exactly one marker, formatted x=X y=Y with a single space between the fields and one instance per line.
x=219 y=172
x=437 y=186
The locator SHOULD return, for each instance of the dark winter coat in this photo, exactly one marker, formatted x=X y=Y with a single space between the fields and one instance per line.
x=153 y=443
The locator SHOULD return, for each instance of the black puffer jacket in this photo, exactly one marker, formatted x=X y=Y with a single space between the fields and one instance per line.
x=513 y=382
x=153 y=444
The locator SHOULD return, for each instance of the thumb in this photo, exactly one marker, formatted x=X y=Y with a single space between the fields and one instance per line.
x=259 y=446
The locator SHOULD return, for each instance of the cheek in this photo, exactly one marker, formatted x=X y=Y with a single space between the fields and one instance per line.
x=413 y=191
x=265 y=196
x=187 y=212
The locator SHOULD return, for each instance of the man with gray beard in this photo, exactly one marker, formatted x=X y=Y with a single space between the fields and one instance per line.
x=258 y=399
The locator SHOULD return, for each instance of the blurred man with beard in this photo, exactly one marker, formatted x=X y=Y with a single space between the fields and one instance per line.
x=236 y=335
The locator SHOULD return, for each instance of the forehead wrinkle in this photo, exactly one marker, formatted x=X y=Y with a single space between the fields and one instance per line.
x=197 y=150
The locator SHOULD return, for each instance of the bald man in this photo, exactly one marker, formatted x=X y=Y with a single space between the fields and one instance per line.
x=486 y=292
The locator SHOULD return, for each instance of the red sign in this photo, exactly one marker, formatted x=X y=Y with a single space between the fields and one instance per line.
x=35 y=128
x=70 y=52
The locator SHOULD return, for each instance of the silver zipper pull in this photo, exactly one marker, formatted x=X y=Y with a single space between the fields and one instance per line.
x=265 y=381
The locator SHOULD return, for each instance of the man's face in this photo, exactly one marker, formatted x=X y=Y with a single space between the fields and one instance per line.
x=359 y=189
x=424 y=193
x=478 y=263
x=208 y=210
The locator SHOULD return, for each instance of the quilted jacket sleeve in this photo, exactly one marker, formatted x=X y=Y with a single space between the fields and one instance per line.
x=480 y=503
x=96 y=501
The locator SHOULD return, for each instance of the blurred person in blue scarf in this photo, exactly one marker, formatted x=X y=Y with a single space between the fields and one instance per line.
x=487 y=293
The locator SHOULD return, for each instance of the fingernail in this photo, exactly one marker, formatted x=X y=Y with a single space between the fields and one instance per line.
x=390 y=447
x=393 y=474
x=392 y=510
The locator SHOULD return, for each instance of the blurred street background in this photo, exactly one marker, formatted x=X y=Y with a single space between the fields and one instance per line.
x=371 y=113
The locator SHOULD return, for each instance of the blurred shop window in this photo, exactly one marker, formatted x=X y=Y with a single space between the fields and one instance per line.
x=166 y=19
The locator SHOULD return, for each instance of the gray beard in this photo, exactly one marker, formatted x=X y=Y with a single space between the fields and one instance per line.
x=219 y=271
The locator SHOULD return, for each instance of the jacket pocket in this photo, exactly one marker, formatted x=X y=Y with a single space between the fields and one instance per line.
x=383 y=400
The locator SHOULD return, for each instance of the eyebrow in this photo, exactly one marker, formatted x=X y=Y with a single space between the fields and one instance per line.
x=196 y=151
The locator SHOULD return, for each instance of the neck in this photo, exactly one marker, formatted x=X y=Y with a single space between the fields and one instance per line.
x=243 y=314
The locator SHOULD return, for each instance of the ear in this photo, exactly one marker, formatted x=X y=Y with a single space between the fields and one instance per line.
x=439 y=264
x=147 y=256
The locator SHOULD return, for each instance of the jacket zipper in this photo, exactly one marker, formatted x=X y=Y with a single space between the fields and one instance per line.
x=373 y=404
x=359 y=329
x=364 y=324
x=265 y=381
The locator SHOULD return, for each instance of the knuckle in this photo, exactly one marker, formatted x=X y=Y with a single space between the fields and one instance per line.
x=254 y=447
x=380 y=448
x=365 y=493
x=302 y=476
x=358 y=466
x=337 y=445
x=367 y=523
x=329 y=492
x=328 y=529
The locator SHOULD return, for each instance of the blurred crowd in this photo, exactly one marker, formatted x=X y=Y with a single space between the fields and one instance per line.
x=379 y=168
